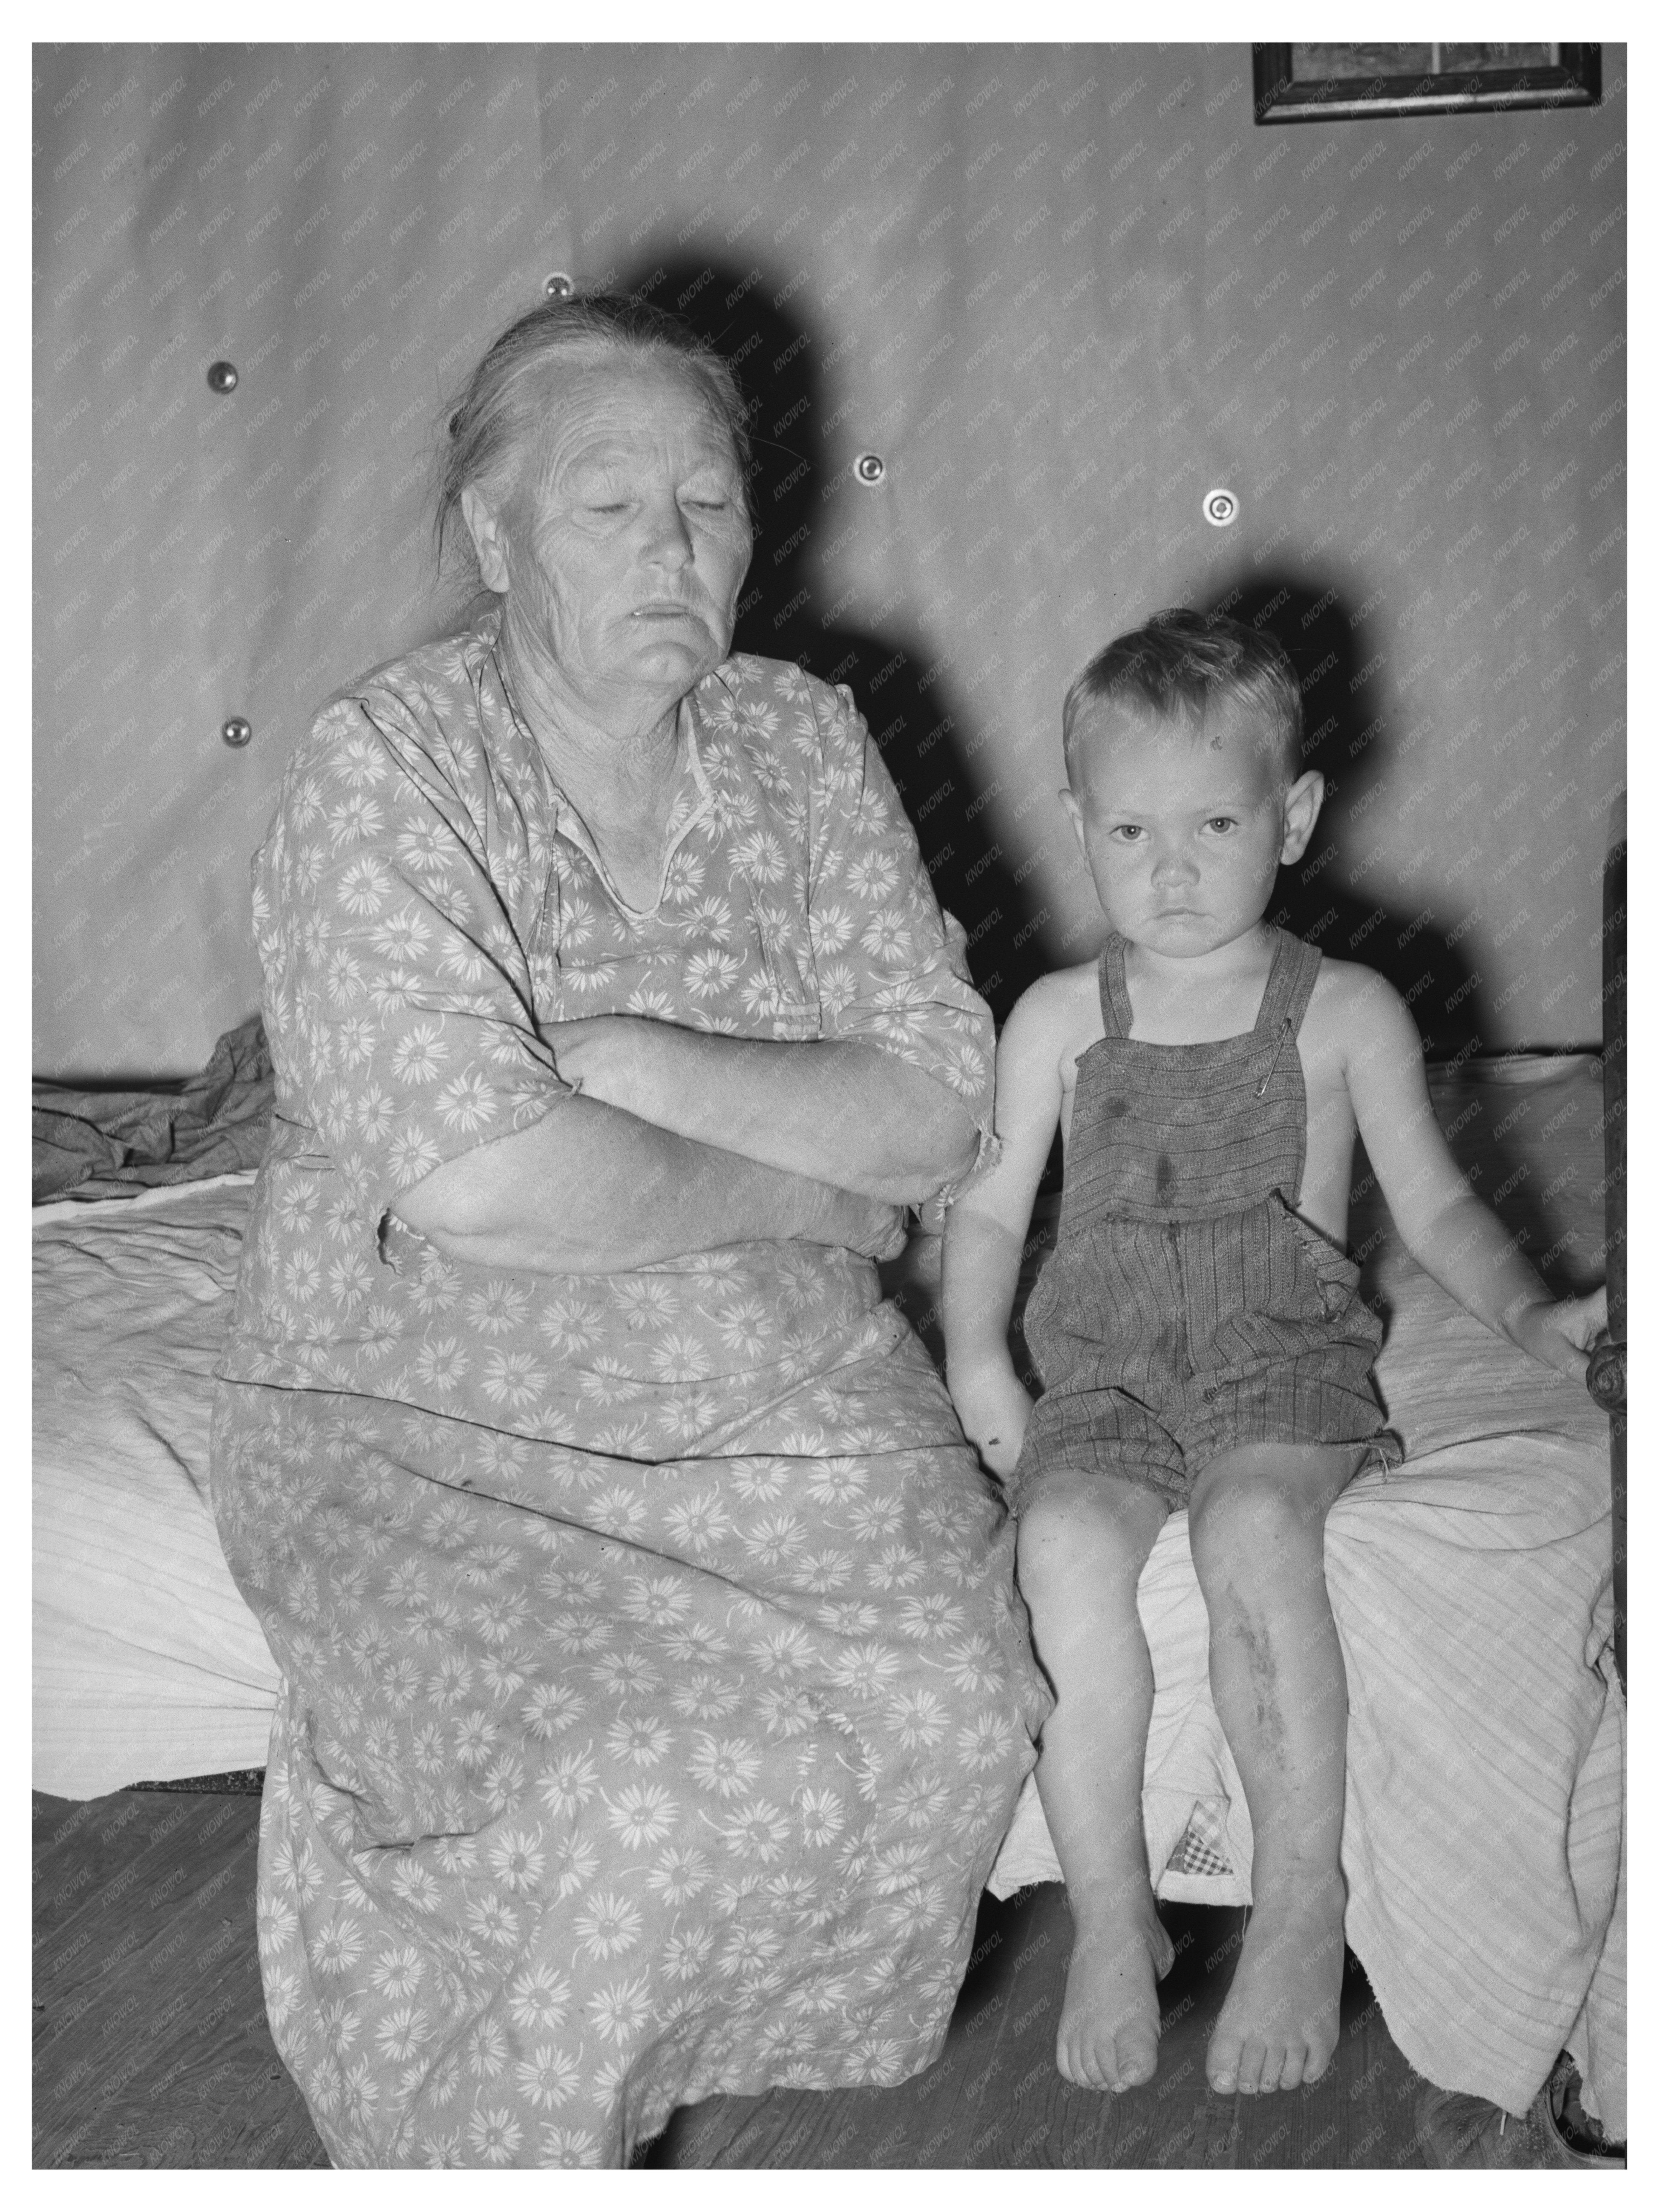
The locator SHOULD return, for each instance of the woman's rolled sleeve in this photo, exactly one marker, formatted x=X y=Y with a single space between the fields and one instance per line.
x=397 y=997
x=892 y=968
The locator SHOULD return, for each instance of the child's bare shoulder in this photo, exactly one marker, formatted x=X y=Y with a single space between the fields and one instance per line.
x=1353 y=1009
x=1063 y=999
x=1060 y=1013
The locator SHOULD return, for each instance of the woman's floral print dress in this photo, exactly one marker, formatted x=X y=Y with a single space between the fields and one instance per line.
x=656 y=1695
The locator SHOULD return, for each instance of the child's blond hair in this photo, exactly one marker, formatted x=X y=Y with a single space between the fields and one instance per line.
x=1178 y=663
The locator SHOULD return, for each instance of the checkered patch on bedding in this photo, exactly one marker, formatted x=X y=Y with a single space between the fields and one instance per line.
x=1203 y=1847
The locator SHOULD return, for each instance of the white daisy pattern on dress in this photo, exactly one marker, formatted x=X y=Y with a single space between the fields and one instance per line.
x=655 y=1697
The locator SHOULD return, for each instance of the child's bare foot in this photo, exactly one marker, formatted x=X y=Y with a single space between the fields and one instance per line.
x=1279 y=2026
x=1109 y=2022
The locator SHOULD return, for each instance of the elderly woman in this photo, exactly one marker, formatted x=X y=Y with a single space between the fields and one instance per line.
x=655 y=1694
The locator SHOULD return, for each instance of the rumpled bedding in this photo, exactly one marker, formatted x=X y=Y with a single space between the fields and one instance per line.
x=109 y=1144
x=1470 y=1588
x=148 y=1665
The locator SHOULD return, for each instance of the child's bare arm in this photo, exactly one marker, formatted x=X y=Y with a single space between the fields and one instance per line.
x=985 y=1230
x=1447 y=1229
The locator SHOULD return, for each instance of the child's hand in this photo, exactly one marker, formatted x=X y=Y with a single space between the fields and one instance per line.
x=1560 y=1333
x=993 y=1407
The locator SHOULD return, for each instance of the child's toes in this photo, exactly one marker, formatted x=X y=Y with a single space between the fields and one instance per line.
x=1074 y=2056
x=1323 y=2039
x=1105 y=2062
x=1246 y=2070
x=1299 y=2066
x=1272 y=2075
x=1137 y=2062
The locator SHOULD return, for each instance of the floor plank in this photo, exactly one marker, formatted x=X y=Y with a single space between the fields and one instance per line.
x=995 y=2098
x=151 y=2047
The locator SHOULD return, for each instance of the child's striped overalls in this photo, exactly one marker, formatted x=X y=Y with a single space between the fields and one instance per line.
x=1186 y=1309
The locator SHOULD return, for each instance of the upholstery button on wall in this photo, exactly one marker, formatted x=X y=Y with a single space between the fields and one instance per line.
x=1059 y=292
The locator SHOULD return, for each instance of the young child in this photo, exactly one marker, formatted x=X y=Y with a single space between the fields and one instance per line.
x=1198 y=1328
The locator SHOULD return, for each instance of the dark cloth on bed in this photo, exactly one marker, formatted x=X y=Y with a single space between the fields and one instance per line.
x=110 y=1143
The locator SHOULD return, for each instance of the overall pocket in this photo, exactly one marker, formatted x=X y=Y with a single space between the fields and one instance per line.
x=1334 y=1277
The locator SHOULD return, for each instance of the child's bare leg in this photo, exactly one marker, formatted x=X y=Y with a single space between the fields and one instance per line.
x=1083 y=1542
x=1258 y=1529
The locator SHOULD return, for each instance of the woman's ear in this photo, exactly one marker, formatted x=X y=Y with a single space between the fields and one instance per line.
x=489 y=538
x=1302 y=804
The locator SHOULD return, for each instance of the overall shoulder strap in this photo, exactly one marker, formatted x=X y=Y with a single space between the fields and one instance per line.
x=1290 y=985
x=1114 y=1012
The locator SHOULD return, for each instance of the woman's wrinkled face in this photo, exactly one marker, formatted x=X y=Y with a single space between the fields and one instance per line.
x=626 y=542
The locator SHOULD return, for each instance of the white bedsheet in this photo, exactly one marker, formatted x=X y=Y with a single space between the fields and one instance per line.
x=148 y=1665
x=1471 y=1589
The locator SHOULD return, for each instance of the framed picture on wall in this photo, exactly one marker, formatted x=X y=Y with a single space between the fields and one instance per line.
x=1327 y=83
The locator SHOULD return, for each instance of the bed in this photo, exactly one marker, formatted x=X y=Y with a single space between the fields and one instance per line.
x=1472 y=1587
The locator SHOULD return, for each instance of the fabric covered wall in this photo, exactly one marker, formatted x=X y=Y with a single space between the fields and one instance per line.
x=1063 y=294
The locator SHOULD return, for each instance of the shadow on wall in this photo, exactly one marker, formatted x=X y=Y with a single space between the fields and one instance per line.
x=1339 y=899
x=915 y=713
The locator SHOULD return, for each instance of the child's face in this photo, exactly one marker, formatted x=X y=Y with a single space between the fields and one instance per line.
x=1184 y=836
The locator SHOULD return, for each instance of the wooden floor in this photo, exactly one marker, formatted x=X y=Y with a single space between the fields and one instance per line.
x=995 y=2098
x=150 y=2041
x=151 y=2047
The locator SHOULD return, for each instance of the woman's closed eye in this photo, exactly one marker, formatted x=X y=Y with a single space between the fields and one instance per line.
x=710 y=492
x=604 y=496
